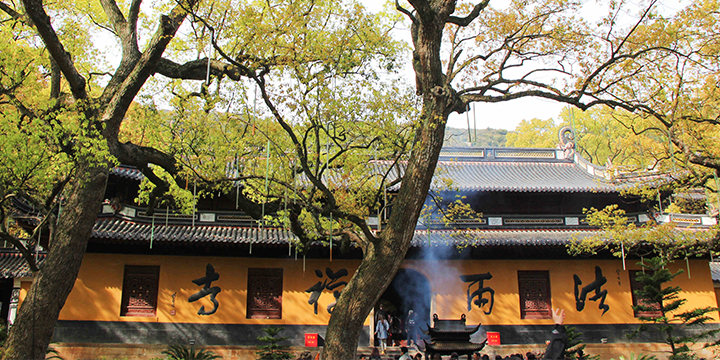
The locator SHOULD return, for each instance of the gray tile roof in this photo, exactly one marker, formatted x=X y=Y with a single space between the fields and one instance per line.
x=115 y=229
x=12 y=264
x=127 y=172
x=516 y=176
x=715 y=271
x=481 y=238
x=519 y=176
x=498 y=169
x=124 y=230
x=517 y=170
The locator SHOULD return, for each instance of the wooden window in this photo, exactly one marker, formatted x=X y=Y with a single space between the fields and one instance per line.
x=265 y=288
x=636 y=285
x=534 y=289
x=140 y=291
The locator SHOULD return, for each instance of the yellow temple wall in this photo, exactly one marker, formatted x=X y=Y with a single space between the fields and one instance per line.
x=98 y=289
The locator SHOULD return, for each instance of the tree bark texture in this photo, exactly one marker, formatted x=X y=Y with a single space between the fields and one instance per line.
x=40 y=309
x=34 y=325
x=384 y=257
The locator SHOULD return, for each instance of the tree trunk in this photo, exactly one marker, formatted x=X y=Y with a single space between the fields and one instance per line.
x=40 y=309
x=383 y=258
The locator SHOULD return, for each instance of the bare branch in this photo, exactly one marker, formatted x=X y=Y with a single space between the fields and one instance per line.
x=26 y=254
x=41 y=20
x=404 y=11
x=10 y=11
x=121 y=100
x=465 y=21
x=197 y=69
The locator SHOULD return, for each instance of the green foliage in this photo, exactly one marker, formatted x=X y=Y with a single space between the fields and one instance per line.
x=575 y=346
x=52 y=354
x=272 y=350
x=602 y=135
x=619 y=235
x=307 y=163
x=175 y=198
x=182 y=352
x=657 y=296
x=455 y=137
x=534 y=133
x=637 y=357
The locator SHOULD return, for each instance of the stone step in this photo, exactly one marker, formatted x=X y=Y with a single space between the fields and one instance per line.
x=391 y=353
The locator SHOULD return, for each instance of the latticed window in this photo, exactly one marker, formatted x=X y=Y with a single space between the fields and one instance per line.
x=265 y=288
x=635 y=286
x=140 y=291
x=534 y=289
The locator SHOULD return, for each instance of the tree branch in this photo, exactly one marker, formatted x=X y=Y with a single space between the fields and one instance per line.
x=197 y=69
x=465 y=21
x=26 y=254
x=41 y=20
x=121 y=100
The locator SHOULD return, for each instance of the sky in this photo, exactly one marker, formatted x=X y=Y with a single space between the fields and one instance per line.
x=509 y=114
x=495 y=116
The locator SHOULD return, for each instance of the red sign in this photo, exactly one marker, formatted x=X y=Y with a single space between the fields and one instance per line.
x=311 y=340
x=493 y=338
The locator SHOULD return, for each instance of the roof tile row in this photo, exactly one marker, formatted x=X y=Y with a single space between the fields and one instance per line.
x=120 y=229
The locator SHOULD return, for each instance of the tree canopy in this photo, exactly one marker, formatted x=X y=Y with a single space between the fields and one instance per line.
x=324 y=100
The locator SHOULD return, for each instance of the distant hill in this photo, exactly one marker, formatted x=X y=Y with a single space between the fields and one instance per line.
x=455 y=137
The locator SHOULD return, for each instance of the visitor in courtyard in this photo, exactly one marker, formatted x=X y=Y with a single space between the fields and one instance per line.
x=418 y=356
x=454 y=356
x=381 y=331
x=558 y=339
x=404 y=353
x=411 y=327
x=375 y=354
x=396 y=329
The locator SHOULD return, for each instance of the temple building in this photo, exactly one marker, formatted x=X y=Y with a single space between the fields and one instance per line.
x=217 y=278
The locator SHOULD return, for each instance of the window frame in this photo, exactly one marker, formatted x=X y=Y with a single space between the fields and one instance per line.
x=264 y=274
x=525 y=276
x=149 y=273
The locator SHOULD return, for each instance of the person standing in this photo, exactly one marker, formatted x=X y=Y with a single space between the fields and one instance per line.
x=558 y=340
x=381 y=331
x=411 y=328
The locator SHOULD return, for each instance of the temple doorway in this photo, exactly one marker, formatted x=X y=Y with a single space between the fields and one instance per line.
x=409 y=290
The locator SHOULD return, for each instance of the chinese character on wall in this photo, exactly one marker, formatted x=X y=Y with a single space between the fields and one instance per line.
x=600 y=294
x=331 y=283
x=480 y=292
x=206 y=281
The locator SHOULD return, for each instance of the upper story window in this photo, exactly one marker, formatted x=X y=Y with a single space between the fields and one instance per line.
x=534 y=290
x=140 y=291
x=264 y=300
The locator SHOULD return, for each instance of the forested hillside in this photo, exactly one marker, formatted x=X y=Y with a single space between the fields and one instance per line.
x=480 y=137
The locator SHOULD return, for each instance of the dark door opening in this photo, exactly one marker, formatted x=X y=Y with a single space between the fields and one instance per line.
x=409 y=290
x=6 y=287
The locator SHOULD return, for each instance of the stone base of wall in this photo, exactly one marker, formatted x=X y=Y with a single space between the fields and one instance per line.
x=75 y=351
x=605 y=351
